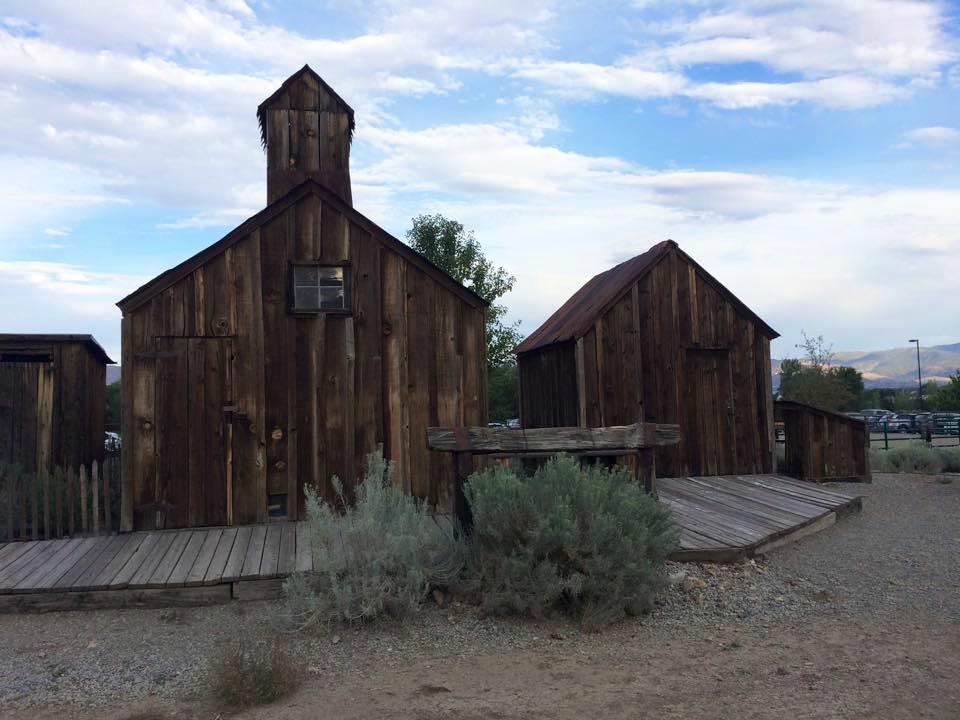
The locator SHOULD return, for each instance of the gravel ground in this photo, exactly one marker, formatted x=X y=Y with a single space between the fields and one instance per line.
x=896 y=558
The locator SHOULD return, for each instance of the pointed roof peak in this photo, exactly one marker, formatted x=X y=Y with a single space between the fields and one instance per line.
x=289 y=95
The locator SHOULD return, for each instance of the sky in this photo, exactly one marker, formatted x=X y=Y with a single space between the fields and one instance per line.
x=807 y=154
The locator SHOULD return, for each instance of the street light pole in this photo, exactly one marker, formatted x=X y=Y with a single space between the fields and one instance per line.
x=919 y=377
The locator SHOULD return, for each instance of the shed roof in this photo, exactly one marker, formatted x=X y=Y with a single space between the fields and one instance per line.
x=10 y=339
x=578 y=314
x=163 y=281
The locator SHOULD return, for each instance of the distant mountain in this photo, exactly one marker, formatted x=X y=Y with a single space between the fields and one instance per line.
x=897 y=367
x=113 y=374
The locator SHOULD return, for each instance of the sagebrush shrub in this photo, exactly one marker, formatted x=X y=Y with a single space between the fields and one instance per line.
x=950 y=458
x=585 y=540
x=380 y=553
x=912 y=458
x=248 y=672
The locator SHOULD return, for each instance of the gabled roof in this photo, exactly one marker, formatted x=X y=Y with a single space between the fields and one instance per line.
x=579 y=313
x=262 y=107
x=168 y=278
x=58 y=338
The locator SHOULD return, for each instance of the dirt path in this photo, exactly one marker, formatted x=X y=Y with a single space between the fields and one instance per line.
x=837 y=668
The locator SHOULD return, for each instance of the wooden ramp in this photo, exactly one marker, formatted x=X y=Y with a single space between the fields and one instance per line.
x=731 y=518
x=160 y=568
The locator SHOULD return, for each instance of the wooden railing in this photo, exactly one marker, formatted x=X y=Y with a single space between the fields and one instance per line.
x=637 y=441
x=66 y=502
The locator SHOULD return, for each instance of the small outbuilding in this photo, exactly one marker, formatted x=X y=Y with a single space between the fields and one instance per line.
x=304 y=339
x=822 y=445
x=657 y=339
x=52 y=401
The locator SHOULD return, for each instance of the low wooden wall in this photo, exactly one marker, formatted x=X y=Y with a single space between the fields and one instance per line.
x=822 y=445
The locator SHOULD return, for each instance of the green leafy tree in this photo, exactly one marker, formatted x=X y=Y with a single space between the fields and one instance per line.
x=947 y=397
x=448 y=245
x=815 y=381
x=113 y=404
x=504 y=397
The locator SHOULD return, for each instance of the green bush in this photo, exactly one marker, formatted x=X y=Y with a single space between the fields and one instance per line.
x=379 y=554
x=584 y=540
x=950 y=457
x=247 y=672
x=912 y=458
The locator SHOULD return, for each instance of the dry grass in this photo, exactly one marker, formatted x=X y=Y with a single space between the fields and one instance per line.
x=246 y=673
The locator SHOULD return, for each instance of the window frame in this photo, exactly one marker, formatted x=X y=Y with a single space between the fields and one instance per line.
x=291 y=289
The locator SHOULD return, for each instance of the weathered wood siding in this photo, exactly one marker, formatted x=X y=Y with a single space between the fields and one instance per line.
x=671 y=349
x=311 y=395
x=821 y=445
x=307 y=132
x=548 y=374
x=51 y=411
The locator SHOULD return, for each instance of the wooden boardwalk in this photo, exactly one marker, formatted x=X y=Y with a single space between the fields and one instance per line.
x=142 y=569
x=721 y=519
x=726 y=519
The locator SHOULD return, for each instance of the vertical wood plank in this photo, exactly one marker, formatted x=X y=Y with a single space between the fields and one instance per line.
x=107 y=511
x=95 y=495
x=84 y=517
x=45 y=482
x=249 y=490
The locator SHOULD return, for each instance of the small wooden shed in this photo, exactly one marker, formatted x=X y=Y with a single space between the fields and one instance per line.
x=52 y=401
x=821 y=445
x=304 y=339
x=657 y=339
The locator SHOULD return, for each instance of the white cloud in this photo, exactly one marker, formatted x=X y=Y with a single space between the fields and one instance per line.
x=843 y=55
x=56 y=231
x=792 y=249
x=51 y=297
x=817 y=38
x=936 y=137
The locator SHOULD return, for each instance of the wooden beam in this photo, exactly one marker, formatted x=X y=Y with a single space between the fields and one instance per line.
x=483 y=440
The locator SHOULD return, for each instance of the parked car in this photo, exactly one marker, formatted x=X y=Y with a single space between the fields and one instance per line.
x=945 y=423
x=902 y=423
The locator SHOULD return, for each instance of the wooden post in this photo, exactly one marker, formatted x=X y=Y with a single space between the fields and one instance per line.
x=106 y=496
x=35 y=504
x=95 y=495
x=646 y=470
x=71 y=501
x=22 y=493
x=58 y=489
x=463 y=468
x=46 y=505
x=84 y=519
x=8 y=479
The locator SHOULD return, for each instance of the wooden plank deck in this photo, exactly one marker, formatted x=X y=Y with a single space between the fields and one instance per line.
x=721 y=519
x=165 y=567
x=731 y=518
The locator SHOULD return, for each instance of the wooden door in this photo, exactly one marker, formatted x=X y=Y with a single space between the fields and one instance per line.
x=709 y=432
x=193 y=432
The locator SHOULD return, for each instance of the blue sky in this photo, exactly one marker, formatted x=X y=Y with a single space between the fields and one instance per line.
x=806 y=153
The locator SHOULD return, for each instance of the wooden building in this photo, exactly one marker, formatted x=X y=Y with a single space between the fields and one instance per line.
x=304 y=339
x=52 y=401
x=657 y=339
x=822 y=445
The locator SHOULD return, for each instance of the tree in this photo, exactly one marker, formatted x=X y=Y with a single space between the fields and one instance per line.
x=504 y=397
x=113 y=404
x=448 y=245
x=947 y=397
x=852 y=380
x=815 y=381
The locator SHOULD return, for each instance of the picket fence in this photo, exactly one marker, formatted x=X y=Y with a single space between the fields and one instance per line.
x=67 y=502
